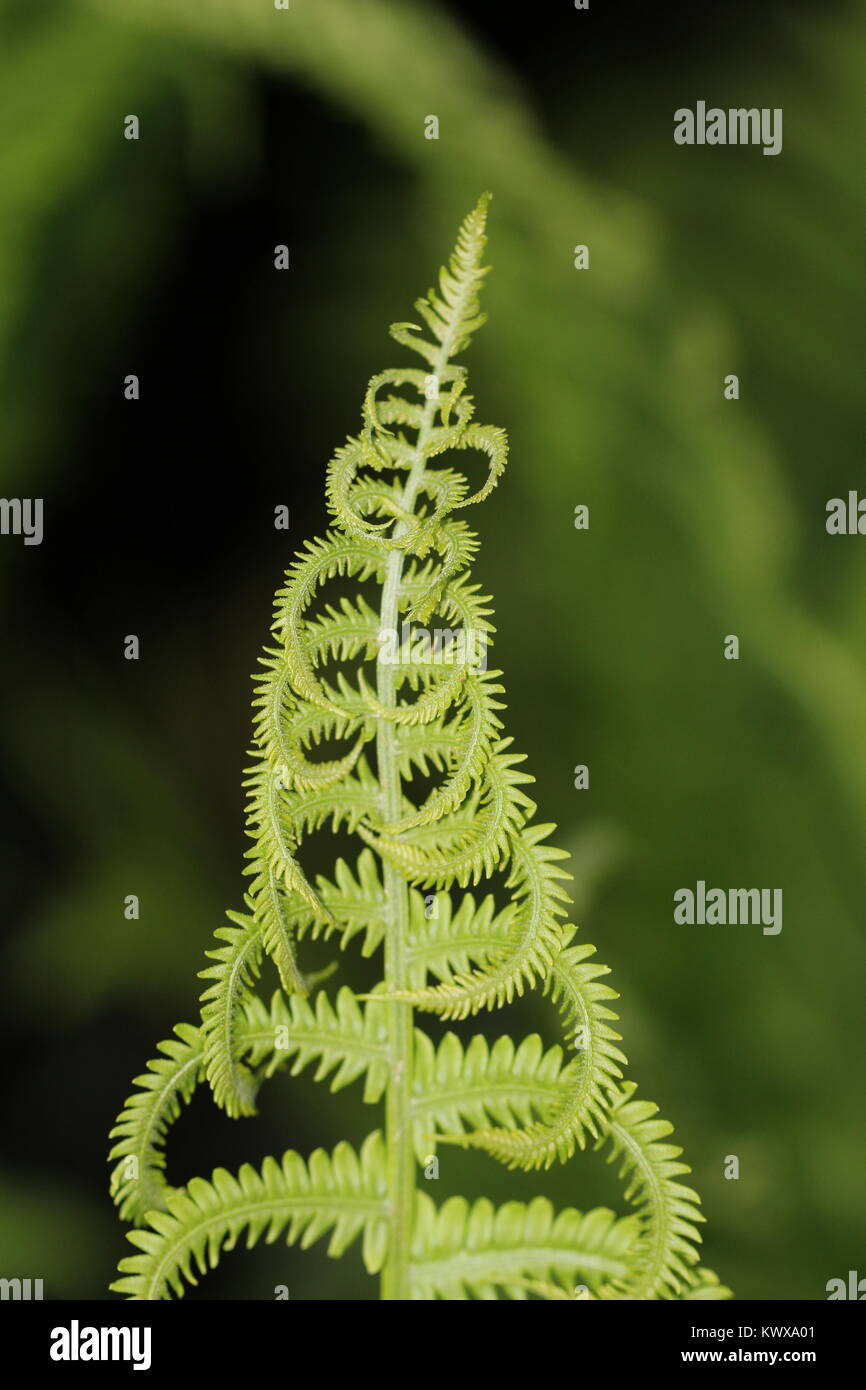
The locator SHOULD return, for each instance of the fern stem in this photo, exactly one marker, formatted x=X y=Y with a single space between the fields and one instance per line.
x=400 y=1157
x=398 y=1100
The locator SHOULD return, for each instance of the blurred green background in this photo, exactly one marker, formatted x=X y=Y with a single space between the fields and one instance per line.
x=706 y=518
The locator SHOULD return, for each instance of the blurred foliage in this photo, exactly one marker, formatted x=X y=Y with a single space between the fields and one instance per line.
x=707 y=517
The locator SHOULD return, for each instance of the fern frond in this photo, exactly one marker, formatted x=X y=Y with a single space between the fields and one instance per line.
x=138 y=1179
x=321 y=560
x=342 y=632
x=445 y=942
x=378 y=417
x=453 y=312
x=289 y=816
x=397 y=738
x=584 y=1097
x=669 y=1215
x=706 y=1286
x=138 y=1182
x=456 y=544
x=269 y=904
x=237 y=967
x=355 y=903
x=492 y=441
x=462 y=1251
x=342 y=1193
x=536 y=938
x=467 y=845
x=434 y=701
x=457 y=1086
x=470 y=747
x=343 y=1038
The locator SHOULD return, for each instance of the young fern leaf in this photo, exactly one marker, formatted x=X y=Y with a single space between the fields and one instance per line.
x=138 y=1181
x=237 y=966
x=583 y=1101
x=342 y=1193
x=463 y=1251
x=335 y=744
x=666 y=1248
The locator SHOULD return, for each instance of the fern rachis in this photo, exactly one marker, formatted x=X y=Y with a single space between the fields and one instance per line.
x=527 y=1105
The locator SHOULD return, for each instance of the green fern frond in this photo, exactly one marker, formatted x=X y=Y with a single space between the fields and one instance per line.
x=237 y=967
x=345 y=1039
x=355 y=903
x=334 y=556
x=138 y=1180
x=462 y=1250
x=457 y=1086
x=269 y=904
x=470 y=743
x=585 y=1095
x=465 y=845
x=353 y=703
x=453 y=312
x=446 y=943
x=342 y=1193
x=536 y=937
x=706 y=1286
x=667 y=1249
x=427 y=707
